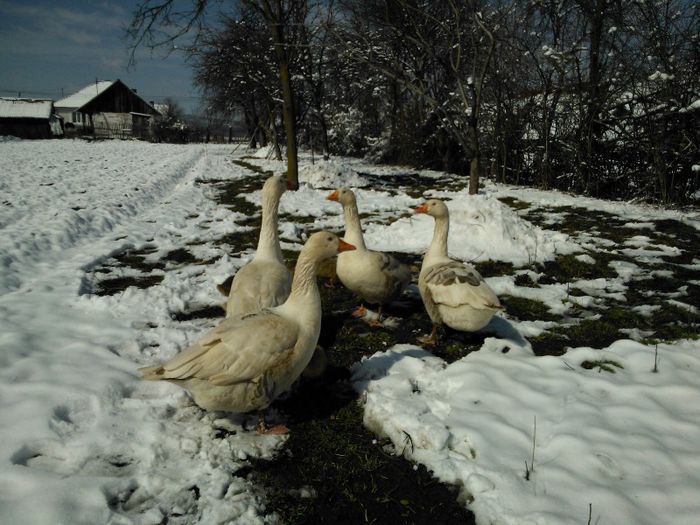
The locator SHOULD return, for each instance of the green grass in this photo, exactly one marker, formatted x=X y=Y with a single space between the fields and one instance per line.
x=549 y=343
x=527 y=309
x=568 y=268
x=514 y=203
x=352 y=476
x=526 y=281
x=494 y=268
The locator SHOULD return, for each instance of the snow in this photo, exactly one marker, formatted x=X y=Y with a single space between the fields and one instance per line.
x=624 y=442
x=25 y=108
x=85 y=95
x=330 y=174
x=658 y=75
x=83 y=440
x=693 y=106
x=481 y=228
x=72 y=407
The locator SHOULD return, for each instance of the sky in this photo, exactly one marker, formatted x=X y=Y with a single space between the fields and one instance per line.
x=53 y=48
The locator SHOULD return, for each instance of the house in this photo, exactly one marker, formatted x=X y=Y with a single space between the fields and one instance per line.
x=29 y=118
x=107 y=109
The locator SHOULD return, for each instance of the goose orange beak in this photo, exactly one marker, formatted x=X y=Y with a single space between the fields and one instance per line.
x=423 y=208
x=334 y=197
x=345 y=246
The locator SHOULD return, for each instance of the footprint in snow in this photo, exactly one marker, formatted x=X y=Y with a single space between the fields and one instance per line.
x=609 y=466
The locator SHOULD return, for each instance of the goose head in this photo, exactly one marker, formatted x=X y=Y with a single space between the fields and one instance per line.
x=344 y=196
x=274 y=187
x=434 y=207
x=325 y=245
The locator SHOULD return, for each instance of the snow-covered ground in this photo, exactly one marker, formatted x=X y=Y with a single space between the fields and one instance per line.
x=82 y=440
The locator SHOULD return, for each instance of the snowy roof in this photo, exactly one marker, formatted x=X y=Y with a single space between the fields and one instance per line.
x=161 y=108
x=25 y=108
x=85 y=95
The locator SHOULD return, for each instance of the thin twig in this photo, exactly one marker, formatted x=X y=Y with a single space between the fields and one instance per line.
x=656 y=357
x=534 y=438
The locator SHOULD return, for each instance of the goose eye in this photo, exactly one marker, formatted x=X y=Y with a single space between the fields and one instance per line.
x=329 y=239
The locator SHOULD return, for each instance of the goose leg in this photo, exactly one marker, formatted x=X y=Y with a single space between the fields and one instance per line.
x=262 y=427
x=360 y=311
x=430 y=340
x=378 y=321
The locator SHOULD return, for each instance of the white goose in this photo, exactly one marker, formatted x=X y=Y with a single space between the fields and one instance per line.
x=247 y=361
x=453 y=292
x=378 y=278
x=265 y=281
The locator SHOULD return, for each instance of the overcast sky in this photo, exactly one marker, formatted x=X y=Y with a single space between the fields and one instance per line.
x=52 y=48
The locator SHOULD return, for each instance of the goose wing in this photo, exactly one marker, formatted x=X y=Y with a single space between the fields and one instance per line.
x=238 y=350
x=397 y=273
x=455 y=284
x=258 y=285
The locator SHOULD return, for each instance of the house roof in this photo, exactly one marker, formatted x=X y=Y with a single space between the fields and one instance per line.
x=85 y=95
x=25 y=108
x=161 y=108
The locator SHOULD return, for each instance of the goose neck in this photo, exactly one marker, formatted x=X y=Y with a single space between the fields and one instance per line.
x=304 y=281
x=303 y=305
x=438 y=246
x=353 y=228
x=269 y=241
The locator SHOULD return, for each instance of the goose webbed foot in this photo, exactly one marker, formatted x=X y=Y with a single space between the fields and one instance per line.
x=430 y=340
x=275 y=430
x=376 y=321
x=359 y=312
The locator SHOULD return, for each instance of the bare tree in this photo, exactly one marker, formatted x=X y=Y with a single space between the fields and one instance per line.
x=446 y=53
x=159 y=23
x=236 y=69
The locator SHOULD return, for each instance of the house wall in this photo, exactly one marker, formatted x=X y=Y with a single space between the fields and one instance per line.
x=109 y=115
x=112 y=125
x=26 y=128
x=121 y=125
x=118 y=99
x=69 y=115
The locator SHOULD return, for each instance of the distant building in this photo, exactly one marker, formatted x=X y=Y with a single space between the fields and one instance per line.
x=161 y=108
x=29 y=118
x=107 y=109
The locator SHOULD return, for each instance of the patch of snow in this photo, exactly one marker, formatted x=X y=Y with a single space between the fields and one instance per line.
x=25 y=108
x=474 y=424
x=481 y=228
x=78 y=427
x=658 y=75
x=85 y=95
x=330 y=174
x=639 y=225
x=625 y=269
x=585 y=258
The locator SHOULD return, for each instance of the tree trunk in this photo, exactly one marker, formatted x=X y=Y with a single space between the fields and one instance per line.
x=595 y=91
x=274 y=20
x=274 y=133
x=475 y=153
x=474 y=167
x=657 y=147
